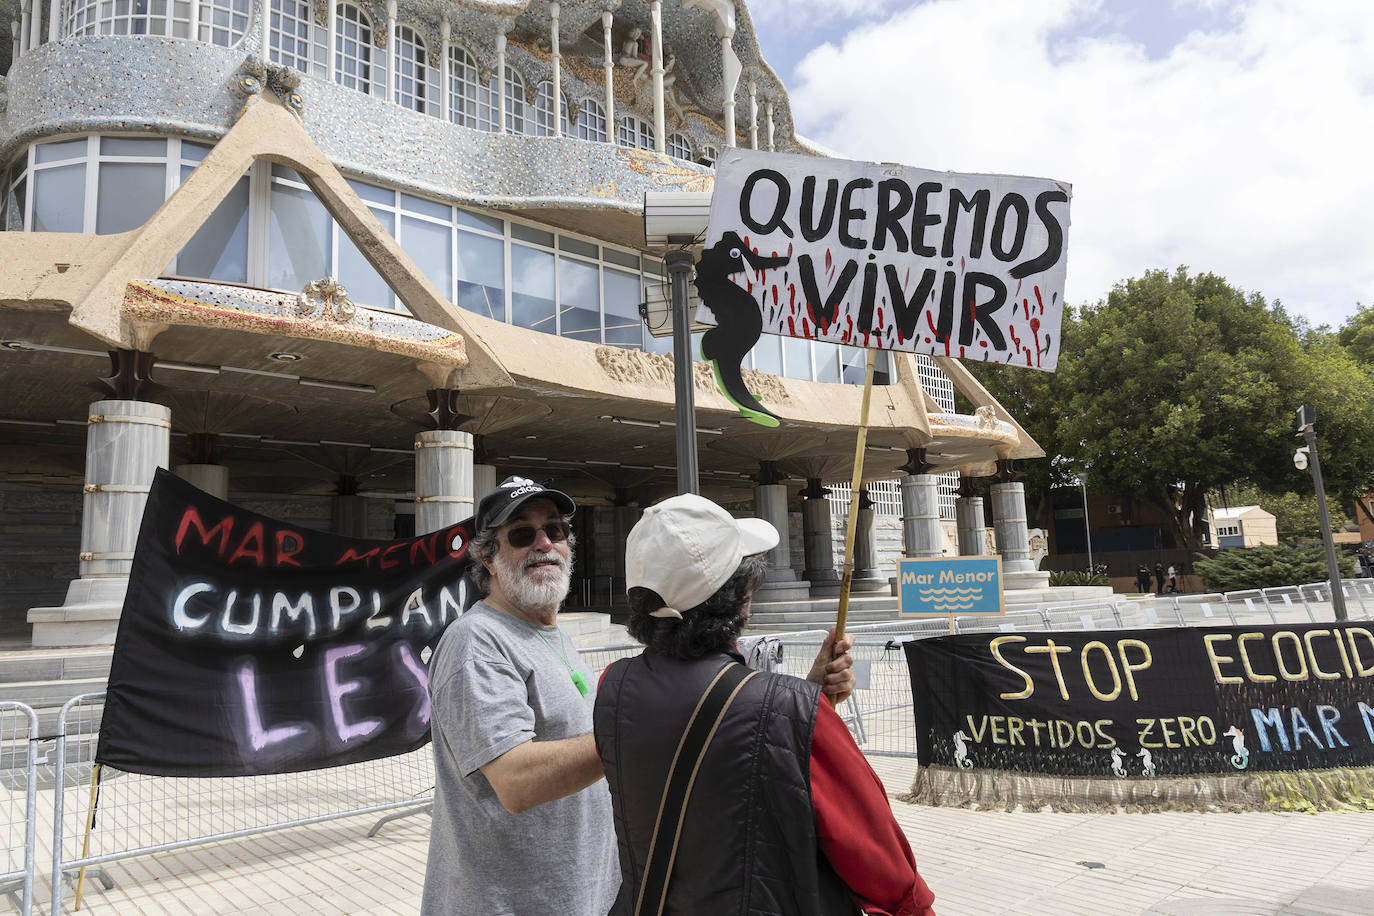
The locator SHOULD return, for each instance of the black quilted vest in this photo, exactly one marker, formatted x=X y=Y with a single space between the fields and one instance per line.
x=749 y=837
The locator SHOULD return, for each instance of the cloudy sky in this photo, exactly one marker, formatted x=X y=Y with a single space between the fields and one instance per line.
x=1231 y=136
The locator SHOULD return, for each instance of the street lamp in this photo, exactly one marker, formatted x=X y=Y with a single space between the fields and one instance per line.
x=1307 y=417
x=1087 y=528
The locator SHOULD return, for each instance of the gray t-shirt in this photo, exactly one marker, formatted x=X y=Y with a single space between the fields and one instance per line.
x=496 y=682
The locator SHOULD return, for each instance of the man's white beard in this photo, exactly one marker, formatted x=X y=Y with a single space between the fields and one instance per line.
x=545 y=595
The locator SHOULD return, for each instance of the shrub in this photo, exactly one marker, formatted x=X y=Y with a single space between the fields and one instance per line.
x=1267 y=566
x=1073 y=577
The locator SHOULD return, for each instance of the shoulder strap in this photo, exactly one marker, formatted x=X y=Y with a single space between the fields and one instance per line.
x=682 y=773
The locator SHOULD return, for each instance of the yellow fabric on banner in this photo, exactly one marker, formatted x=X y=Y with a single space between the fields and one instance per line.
x=1346 y=789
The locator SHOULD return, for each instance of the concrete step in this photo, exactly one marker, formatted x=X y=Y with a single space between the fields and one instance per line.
x=45 y=694
x=54 y=664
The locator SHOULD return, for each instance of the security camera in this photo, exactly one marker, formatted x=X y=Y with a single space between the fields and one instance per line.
x=1300 y=459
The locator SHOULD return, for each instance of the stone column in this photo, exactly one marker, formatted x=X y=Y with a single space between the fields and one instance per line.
x=443 y=479
x=126 y=442
x=770 y=504
x=556 y=54
x=608 y=65
x=391 y=82
x=972 y=530
x=656 y=73
x=212 y=478
x=921 y=536
x=501 y=78
x=348 y=509
x=483 y=482
x=1009 y=528
x=445 y=42
x=817 y=536
x=753 y=113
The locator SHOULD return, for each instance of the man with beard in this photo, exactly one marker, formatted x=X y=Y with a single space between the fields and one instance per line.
x=522 y=817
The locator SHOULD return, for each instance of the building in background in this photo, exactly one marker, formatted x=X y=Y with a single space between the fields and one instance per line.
x=1241 y=526
x=349 y=263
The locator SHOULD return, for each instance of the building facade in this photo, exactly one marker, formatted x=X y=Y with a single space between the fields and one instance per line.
x=349 y=263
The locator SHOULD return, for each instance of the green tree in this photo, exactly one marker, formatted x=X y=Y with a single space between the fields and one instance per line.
x=1357 y=335
x=1269 y=566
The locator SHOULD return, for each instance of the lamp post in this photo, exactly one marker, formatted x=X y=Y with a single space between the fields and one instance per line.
x=1087 y=528
x=1307 y=416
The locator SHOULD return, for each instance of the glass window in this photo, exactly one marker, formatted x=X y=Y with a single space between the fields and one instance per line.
x=365 y=286
x=431 y=208
x=353 y=48
x=298 y=239
x=591 y=121
x=373 y=194
x=129 y=193
x=577 y=246
x=429 y=246
x=219 y=249
x=482 y=274
x=796 y=354
x=515 y=102
x=623 y=324
x=194 y=152
x=134 y=146
x=59 y=198
x=292 y=22
x=464 y=91
x=543 y=110
x=224 y=22
x=578 y=300
x=532 y=289
x=635 y=133
x=827 y=362
x=59 y=152
x=679 y=147
x=412 y=73
x=530 y=234
x=14 y=214
x=481 y=221
x=623 y=258
x=768 y=354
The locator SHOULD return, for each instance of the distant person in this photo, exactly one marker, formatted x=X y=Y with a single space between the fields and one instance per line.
x=1159 y=578
x=1142 y=578
x=1173 y=580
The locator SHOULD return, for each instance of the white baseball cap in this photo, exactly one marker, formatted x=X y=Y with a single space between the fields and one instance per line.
x=686 y=547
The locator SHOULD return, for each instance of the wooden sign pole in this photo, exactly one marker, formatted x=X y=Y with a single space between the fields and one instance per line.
x=857 y=482
x=86 y=842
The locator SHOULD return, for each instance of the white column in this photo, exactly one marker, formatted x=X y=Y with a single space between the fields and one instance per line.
x=753 y=114
x=126 y=442
x=557 y=71
x=770 y=126
x=501 y=82
x=55 y=19
x=25 y=19
x=968 y=511
x=16 y=31
x=212 y=478
x=193 y=27
x=391 y=50
x=483 y=481
x=818 y=540
x=1009 y=526
x=443 y=479
x=770 y=504
x=656 y=62
x=608 y=65
x=445 y=42
x=36 y=35
x=266 y=6
x=921 y=515
x=331 y=51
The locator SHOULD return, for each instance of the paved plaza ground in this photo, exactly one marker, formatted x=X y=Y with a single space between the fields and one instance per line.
x=976 y=862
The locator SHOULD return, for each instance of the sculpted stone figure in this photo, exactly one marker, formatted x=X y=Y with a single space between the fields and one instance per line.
x=634 y=53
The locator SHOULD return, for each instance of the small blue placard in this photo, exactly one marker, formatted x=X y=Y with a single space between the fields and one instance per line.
x=945 y=586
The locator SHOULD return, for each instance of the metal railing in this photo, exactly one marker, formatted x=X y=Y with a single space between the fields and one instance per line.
x=18 y=807
x=129 y=814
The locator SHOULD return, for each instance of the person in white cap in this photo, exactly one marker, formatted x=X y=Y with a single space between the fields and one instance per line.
x=734 y=791
x=522 y=820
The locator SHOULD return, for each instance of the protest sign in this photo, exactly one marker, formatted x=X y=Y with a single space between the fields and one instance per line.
x=890 y=256
x=1152 y=703
x=249 y=646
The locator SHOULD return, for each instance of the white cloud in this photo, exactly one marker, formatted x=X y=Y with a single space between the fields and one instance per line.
x=1244 y=152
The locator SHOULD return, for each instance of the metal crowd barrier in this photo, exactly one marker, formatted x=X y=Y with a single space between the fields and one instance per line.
x=18 y=809
x=135 y=814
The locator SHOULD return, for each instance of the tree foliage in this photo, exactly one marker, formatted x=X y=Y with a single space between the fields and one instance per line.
x=1269 y=566
x=1176 y=385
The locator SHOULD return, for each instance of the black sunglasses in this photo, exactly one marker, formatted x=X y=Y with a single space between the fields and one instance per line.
x=524 y=535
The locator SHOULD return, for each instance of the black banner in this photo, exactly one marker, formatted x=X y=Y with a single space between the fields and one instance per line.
x=248 y=646
x=1158 y=702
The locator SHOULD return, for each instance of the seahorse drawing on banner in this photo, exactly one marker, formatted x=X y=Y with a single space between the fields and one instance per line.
x=961 y=751
x=1241 y=758
x=1147 y=762
x=1118 y=762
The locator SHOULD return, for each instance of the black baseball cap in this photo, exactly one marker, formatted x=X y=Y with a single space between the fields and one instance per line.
x=500 y=504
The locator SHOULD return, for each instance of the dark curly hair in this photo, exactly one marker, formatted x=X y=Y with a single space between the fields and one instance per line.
x=709 y=627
